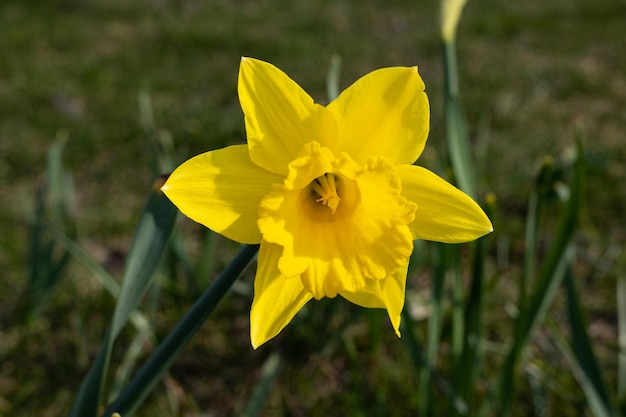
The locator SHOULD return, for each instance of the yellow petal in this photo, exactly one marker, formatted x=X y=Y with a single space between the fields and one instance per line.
x=369 y=296
x=444 y=213
x=385 y=293
x=385 y=113
x=280 y=116
x=222 y=189
x=393 y=289
x=450 y=14
x=276 y=299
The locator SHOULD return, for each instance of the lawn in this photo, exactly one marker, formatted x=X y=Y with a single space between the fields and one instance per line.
x=113 y=80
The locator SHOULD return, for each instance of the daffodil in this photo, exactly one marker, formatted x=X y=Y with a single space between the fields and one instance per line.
x=329 y=192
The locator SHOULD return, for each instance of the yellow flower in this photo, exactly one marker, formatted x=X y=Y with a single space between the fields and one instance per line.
x=328 y=191
x=450 y=15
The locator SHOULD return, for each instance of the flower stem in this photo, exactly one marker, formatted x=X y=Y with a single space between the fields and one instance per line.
x=150 y=374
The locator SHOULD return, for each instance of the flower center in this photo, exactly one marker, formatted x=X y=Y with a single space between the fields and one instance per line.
x=326 y=189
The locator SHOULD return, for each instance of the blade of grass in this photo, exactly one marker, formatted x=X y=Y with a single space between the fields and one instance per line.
x=467 y=371
x=593 y=399
x=149 y=242
x=124 y=371
x=439 y=251
x=554 y=266
x=263 y=387
x=152 y=234
x=456 y=128
x=87 y=401
x=533 y=220
x=458 y=322
x=179 y=255
x=621 y=318
x=535 y=203
x=106 y=280
x=550 y=277
x=137 y=319
x=207 y=259
x=332 y=78
x=583 y=360
x=159 y=362
x=56 y=179
x=46 y=261
x=413 y=345
x=538 y=389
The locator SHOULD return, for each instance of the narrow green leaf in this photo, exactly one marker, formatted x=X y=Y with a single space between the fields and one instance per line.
x=456 y=128
x=332 y=78
x=263 y=387
x=55 y=178
x=439 y=261
x=533 y=219
x=46 y=261
x=585 y=364
x=458 y=322
x=542 y=295
x=206 y=259
x=87 y=401
x=538 y=389
x=553 y=268
x=413 y=346
x=152 y=371
x=180 y=256
x=467 y=369
x=151 y=235
x=106 y=280
x=124 y=371
x=621 y=320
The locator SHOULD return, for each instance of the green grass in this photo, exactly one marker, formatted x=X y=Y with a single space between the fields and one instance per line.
x=533 y=74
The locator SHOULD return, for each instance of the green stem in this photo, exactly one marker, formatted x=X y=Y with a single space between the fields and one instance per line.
x=152 y=371
x=451 y=69
x=459 y=148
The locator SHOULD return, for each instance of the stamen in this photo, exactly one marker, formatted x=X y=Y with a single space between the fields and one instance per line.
x=325 y=187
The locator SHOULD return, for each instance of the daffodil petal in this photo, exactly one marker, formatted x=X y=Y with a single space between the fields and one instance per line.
x=444 y=213
x=387 y=293
x=393 y=289
x=222 y=189
x=369 y=296
x=280 y=117
x=276 y=299
x=385 y=113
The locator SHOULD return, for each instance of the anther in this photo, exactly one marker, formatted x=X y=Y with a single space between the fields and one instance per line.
x=325 y=187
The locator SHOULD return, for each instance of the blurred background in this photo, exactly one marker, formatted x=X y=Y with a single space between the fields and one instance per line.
x=101 y=89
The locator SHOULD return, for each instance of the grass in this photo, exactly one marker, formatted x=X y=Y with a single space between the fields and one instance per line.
x=533 y=74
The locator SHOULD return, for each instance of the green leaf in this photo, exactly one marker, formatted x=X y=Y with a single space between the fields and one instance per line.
x=87 y=401
x=585 y=364
x=550 y=276
x=621 y=319
x=533 y=220
x=263 y=387
x=149 y=242
x=439 y=261
x=159 y=362
x=151 y=237
x=102 y=275
x=456 y=128
x=415 y=350
x=332 y=78
x=468 y=366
